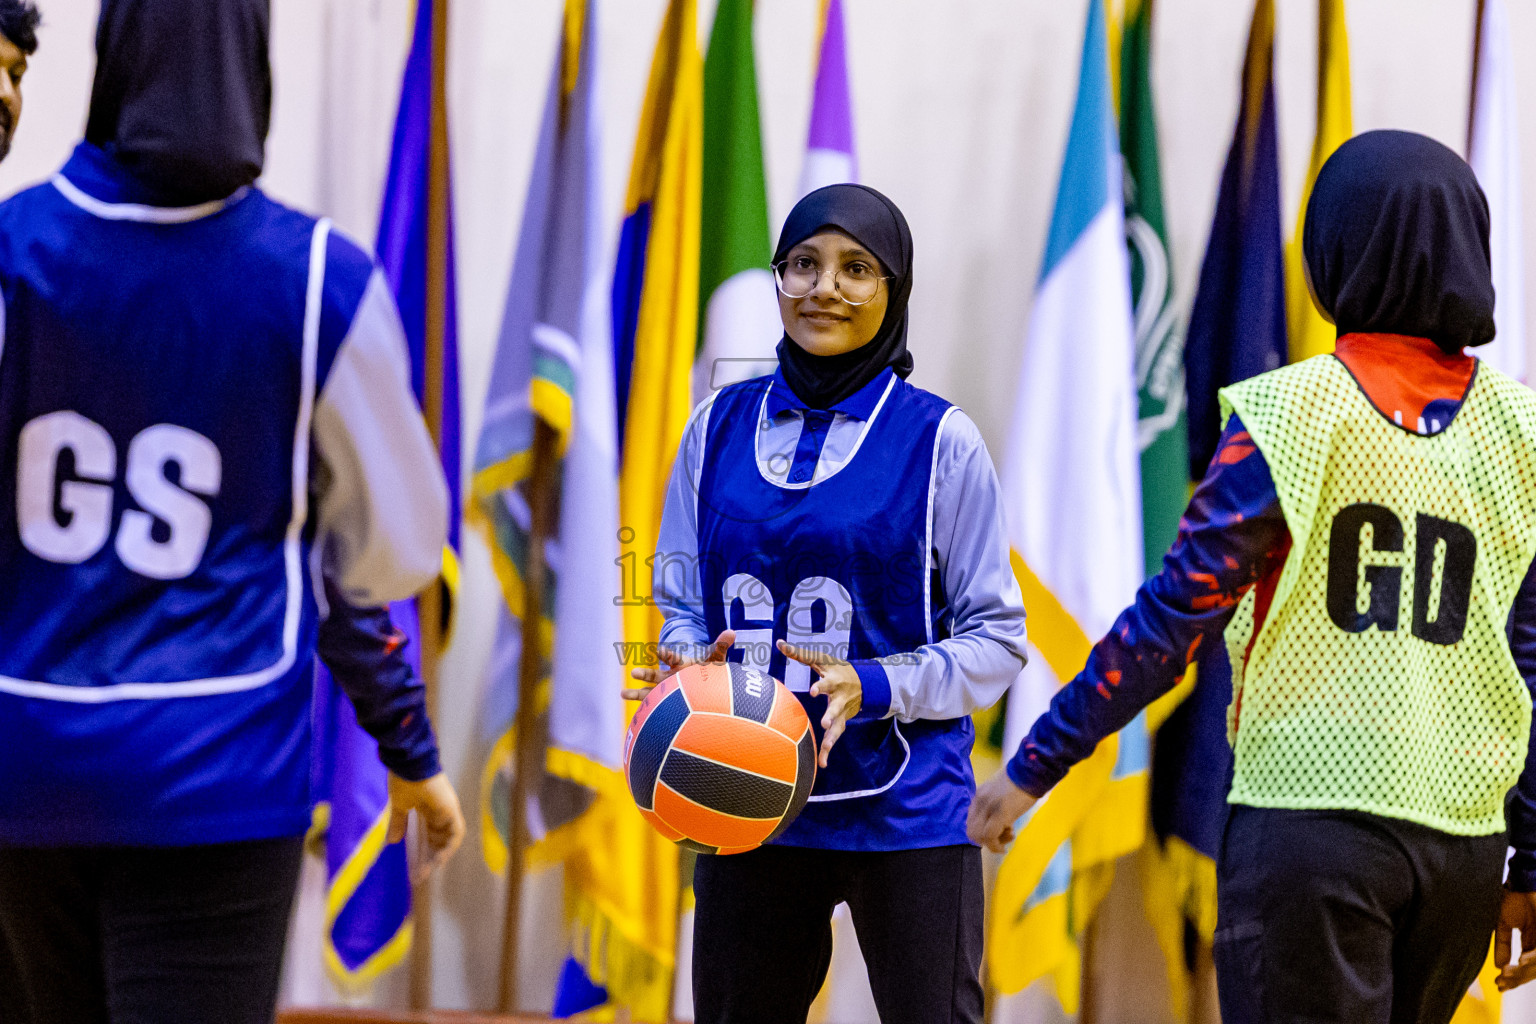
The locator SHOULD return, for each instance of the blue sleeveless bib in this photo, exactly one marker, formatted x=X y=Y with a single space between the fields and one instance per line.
x=844 y=564
x=157 y=623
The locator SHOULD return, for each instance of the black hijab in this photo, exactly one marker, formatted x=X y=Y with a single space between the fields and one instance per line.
x=1396 y=241
x=183 y=94
x=873 y=221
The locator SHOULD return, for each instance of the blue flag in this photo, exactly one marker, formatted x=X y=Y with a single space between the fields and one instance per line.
x=1237 y=326
x=575 y=992
x=368 y=896
x=368 y=891
x=1236 y=330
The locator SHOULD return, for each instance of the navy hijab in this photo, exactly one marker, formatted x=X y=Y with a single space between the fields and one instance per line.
x=873 y=221
x=183 y=94
x=1396 y=241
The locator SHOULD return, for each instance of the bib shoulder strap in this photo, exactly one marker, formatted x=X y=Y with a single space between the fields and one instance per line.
x=1516 y=399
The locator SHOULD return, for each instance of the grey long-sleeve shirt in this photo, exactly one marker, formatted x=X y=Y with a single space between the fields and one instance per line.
x=947 y=679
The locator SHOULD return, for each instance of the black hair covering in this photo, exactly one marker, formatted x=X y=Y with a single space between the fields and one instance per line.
x=873 y=221
x=183 y=94
x=1396 y=241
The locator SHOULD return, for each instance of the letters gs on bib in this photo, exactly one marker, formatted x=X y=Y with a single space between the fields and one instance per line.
x=1363 y=593
x=65 y=515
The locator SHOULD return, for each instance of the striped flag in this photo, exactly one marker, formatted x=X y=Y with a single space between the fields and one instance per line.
x=1160 y=426
x=1162 y=430
x=1493 y=150
x=368 y=893
x=738 y=304
x=655 y=300
x=1072 y=490
x=1236 y=330
x=1310 y=334
x=655 y=305
x=554 y=363
x=830 y=157
x=739 y=324
x=1117 y=823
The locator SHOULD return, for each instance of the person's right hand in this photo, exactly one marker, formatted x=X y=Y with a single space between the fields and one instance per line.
x=674 y=661
x=437 y=812
x=997 y=805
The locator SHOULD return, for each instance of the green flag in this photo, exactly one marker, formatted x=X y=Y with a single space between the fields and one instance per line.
x=738 y=312
x=1159 y=334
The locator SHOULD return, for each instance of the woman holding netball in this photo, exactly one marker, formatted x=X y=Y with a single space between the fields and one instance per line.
x=841 y=529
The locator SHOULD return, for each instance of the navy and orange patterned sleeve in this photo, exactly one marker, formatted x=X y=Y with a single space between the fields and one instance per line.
x=1232 y=536
x=365 y=654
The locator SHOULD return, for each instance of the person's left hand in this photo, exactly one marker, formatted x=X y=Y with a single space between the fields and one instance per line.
x=997 y=805
x=1516 y=913
x=839 y=683
x=437 y=807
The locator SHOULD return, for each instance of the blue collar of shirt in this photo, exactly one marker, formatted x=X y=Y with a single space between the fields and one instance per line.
x=93 y=171
x=860 y=405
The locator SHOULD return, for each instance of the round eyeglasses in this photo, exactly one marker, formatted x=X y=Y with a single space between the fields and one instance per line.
x=857 y=283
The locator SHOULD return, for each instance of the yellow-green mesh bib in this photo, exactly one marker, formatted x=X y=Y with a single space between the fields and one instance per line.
x=1381 y=680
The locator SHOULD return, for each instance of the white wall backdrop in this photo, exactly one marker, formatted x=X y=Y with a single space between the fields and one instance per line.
x=960 y=109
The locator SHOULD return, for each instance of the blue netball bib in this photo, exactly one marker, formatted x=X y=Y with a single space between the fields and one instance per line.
x=844 y=565
x=157 y=383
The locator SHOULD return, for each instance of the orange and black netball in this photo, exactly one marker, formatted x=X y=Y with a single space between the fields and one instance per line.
x=720 y=758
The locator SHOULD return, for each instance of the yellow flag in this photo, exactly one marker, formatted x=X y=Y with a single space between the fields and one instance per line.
x=626 y=893
x=1030 y=932
x=1311 y=335
x=664 y=194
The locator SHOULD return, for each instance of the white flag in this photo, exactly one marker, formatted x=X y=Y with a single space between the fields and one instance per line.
x=1493 y=150
x=1072 y=491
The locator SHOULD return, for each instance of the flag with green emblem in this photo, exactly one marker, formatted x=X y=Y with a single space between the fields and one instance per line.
x=1160 y=430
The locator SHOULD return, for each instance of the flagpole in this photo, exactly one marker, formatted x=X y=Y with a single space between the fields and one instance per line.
x=1477 y=61
x=529 y=728
x=527 y=731
x=1087 y=980
x=430 y=604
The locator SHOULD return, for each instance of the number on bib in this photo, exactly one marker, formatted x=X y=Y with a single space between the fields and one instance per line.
x=820 y=617
x=756 y=643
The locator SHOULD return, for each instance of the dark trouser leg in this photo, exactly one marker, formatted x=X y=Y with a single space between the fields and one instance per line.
x=918 y=914
x=13 y=1002
x=1307 y=905
x=762 y=933
x=50 y=938
x=195 y=935
x=1443 y=941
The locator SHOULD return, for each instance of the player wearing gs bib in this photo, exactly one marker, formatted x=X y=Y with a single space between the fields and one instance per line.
x=204 y=409
x=841 y=529
x=1366 y=537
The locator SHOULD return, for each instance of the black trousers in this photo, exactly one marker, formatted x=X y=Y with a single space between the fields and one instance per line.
x=1339 y=916
x=121 y=935
x=762 y=932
